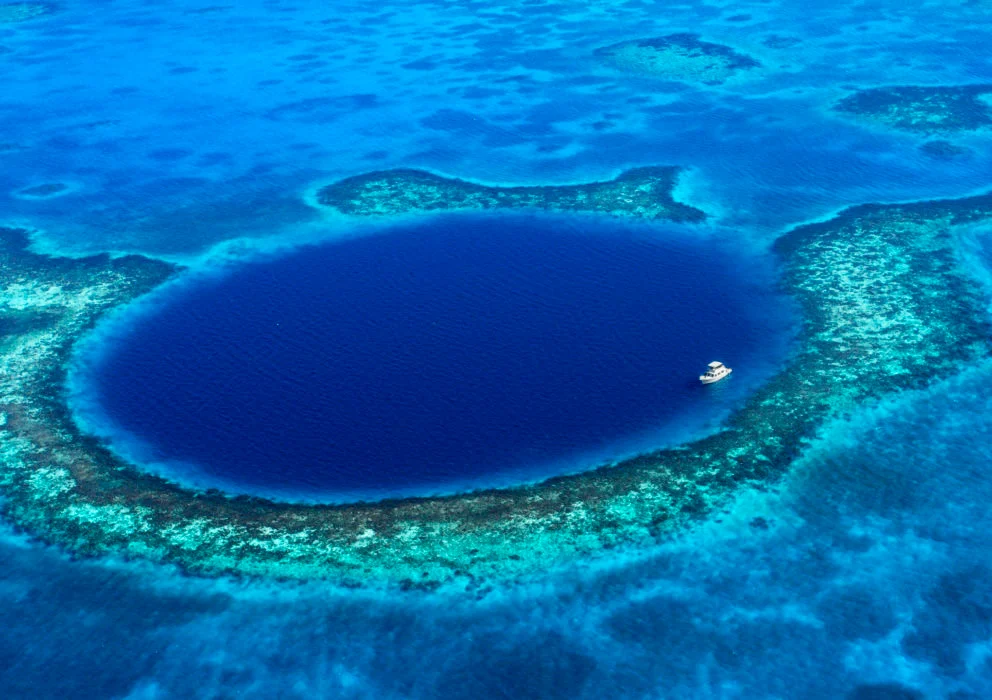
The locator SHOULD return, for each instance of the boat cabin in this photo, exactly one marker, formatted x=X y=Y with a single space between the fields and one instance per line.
x=715 y=372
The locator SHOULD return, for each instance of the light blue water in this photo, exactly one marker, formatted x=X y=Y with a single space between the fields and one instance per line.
x=182 y=129
x=872 y=577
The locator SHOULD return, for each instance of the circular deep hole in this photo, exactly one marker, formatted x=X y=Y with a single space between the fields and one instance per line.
x=450 y=354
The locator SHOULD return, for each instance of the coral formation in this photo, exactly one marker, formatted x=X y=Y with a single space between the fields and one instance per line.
x=44 y=191
x=682 y=57
x=922 y=109
x=643 y=193
x=944 y=150
x=885 y=308
x=22 y=11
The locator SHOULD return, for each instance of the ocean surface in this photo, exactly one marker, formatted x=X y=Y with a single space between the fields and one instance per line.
x=193 y=132
x=465 y=351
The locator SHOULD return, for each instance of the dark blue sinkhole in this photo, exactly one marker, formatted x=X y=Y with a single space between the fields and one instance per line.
x=454 y=353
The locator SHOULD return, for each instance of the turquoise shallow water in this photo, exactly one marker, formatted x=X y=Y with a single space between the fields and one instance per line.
x=865 y=574
x=178 y=129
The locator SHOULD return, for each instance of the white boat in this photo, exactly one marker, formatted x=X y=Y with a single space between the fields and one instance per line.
x=716 y=372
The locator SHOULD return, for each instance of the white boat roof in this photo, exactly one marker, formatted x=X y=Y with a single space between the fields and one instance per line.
x=714 y=365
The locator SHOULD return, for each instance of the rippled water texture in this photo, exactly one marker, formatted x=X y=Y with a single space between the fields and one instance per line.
x=169 y=128
x=462 y=352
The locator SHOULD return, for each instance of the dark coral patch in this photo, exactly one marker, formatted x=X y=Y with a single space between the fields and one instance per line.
x=682 y=57
x=323 y=110
x=957 y=612
x=944 y=150
x=44 y=191
x=922 y=109
x=421 y=64
x=169 y=155
x=776 y=41
x=884 y=691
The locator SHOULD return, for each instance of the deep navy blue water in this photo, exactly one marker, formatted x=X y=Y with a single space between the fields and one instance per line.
x=459 y=351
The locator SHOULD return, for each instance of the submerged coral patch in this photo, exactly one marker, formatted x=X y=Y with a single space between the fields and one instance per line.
x=777 y=41
x=22 y=11
x=643 y=193
x=43 y=191
x=944 y=150
x=922 y=109
x=682 y=57
x=886 y=307
x=323 y=110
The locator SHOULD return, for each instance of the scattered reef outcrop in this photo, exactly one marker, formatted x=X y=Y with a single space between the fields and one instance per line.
x=12 y=12
x=644 y=193
x=44 y=191
x=681 y=57
x=944 y=150
x=885 y=306
x=922 y=109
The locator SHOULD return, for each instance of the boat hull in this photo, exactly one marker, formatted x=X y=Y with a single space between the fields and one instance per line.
x=712 y=380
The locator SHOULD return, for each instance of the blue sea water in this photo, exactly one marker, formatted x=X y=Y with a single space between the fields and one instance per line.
x=865 y=574
x=464 y=351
